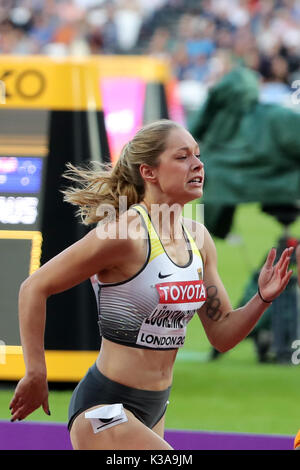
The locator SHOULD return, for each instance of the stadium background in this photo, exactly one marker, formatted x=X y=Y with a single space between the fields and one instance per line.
x=190 y=46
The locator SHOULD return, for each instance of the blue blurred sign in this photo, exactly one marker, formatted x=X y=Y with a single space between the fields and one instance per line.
x=20 y=174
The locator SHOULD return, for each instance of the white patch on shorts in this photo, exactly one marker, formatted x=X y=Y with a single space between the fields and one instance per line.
x=107 y=416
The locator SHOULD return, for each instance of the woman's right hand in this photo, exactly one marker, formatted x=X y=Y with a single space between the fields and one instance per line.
x=31 y=393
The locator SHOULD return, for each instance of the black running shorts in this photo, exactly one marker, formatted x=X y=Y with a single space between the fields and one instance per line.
x=96 y=389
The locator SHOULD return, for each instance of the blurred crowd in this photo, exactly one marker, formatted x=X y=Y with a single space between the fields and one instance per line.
x=202 y=39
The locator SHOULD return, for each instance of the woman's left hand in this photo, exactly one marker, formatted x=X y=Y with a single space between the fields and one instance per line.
x=273 y=279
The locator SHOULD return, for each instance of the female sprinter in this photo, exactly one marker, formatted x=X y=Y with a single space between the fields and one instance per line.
x=149 y=283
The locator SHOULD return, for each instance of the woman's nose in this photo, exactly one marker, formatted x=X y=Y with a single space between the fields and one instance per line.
x=197 y=163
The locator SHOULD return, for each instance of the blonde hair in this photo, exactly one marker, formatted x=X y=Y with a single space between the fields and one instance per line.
x=105 y=183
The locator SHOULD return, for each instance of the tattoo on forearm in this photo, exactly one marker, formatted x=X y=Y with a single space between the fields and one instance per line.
x=213 y=303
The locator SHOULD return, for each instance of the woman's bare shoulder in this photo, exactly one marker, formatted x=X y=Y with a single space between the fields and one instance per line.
x=119 y=228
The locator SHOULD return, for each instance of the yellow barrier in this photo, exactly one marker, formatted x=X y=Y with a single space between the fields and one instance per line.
x=62 y=366
x=70 y=83
x=52 y=109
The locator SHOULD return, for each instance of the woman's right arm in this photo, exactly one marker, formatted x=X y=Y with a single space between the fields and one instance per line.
x=79 y=262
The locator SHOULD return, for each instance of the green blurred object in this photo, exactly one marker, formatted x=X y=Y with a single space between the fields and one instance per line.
x=251 y=150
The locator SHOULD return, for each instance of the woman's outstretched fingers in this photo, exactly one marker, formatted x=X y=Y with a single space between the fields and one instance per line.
x=287 y=278
x=270 y=258
x=287 y=253
x=274 y=278
x=283 y=262
x=14 y=401
x=46 y=407
x=284 y=266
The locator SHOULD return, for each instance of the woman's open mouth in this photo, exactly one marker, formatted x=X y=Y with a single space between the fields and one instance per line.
x=196 y=181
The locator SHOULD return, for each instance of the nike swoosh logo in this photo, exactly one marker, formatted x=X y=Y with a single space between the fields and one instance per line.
x=162 y=276
x=99 y=427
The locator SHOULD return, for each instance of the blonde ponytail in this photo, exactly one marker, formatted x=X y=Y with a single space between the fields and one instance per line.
x=104 y=183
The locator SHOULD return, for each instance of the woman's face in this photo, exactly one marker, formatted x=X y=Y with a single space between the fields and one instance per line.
x=180 y=173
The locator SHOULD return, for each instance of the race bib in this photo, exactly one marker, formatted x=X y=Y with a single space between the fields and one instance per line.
x=165 y=327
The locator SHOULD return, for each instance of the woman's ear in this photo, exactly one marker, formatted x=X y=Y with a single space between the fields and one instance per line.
x=148 y=173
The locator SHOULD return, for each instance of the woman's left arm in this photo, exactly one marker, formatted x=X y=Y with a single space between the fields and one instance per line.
x=226 y=327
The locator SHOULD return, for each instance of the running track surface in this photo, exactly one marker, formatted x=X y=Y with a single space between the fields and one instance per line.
x=40 y=436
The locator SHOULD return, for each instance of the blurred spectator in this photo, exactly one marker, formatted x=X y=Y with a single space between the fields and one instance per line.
x=200 y=39
x=128 y=19
x=182 y=65
x=160 y=44
x=95 y=41
x=109 y=32
x=275 y=88
x=15 y=40
x=42 y=28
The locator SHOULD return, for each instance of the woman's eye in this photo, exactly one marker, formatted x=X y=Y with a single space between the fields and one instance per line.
x=183 y=157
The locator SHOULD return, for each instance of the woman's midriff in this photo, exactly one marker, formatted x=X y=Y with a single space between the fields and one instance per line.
x=143 y=369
